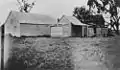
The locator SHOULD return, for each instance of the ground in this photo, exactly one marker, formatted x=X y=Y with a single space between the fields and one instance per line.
x=71 y=53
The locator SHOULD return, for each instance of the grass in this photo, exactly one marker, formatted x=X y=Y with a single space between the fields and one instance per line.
x=40 y=54
x=63 y=53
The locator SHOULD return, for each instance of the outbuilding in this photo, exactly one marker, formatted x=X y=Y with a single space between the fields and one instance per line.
x=27 y=24
x=70 y=27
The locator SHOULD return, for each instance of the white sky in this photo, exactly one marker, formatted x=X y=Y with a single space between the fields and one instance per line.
x=54 y=8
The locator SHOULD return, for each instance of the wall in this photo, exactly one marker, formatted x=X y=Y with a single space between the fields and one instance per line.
x=7 y=47
x=64 y=21
x=34 y=30
x=56 y=31
x=0 y=47
x=90 y=32
x=66 y=27
x=101 y=32
x=104 y=31
x=12 y=26
x=84 y=31
x=76 y=31
x=67 y=30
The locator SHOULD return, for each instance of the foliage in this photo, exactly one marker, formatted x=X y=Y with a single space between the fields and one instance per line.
x=107 y=6
x=86 y=17
x=25 y=6
x=81 y=13
x=96 y=12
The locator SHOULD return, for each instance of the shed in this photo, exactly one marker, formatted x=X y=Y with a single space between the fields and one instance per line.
x=23 y=24
x=72 y=27
x=28 y=24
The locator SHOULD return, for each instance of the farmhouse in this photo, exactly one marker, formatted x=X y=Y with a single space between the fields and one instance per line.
x=69 y=26
x=23 y=24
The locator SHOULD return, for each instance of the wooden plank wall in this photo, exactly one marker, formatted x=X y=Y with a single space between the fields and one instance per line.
x=34 y=30
x=98 y=32
x=56 y=31
x=90 y=32
x=102 y=32
x=12 y=26
x=67 y=30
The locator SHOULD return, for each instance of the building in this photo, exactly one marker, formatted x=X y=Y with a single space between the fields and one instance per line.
x=101 y=32
x=27 y=24
x=69 y=26
x=23 y=24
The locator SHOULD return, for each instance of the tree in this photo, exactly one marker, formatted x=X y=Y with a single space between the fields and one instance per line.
x=25 y=6
x=85 y=16
x=80 y=13
x=107 y=6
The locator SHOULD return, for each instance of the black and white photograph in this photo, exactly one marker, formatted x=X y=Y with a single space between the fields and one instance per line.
x=59 y=34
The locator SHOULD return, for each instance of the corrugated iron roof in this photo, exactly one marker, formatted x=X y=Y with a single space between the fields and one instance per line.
x=31 y=18
x=73 y=20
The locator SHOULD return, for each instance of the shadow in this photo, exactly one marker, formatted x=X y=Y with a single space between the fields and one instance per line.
x=14 y=64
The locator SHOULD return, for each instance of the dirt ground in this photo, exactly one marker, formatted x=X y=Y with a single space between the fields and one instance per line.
x=86 y=53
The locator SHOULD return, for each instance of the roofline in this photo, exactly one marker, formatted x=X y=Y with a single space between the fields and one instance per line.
x=11 y=14
x=35 y=24
x=6 y=18
x=71 y=22
x=62 y=17
x=67 y=19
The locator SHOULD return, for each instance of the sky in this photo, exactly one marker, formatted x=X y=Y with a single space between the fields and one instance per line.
x=54 y=8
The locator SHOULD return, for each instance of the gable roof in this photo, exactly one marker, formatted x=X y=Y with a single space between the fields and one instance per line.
x=31 y=18
x=72 y=20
